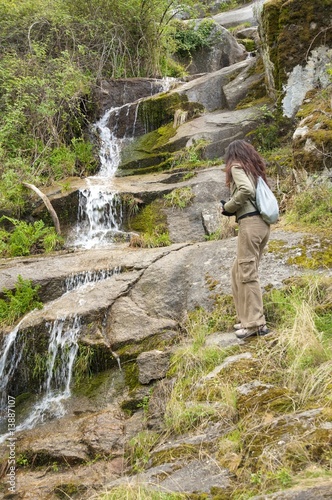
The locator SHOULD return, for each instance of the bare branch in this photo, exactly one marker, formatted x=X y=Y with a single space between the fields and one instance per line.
x=48 y=205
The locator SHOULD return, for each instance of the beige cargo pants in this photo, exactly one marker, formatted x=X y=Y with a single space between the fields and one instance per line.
x=252 y=238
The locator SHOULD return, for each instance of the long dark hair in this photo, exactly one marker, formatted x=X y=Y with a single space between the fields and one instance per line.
x=242 y=153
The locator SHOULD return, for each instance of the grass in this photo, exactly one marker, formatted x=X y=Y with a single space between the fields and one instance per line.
x=139 y=492
x=295 y=365
x=179 y=197
x=17 y=302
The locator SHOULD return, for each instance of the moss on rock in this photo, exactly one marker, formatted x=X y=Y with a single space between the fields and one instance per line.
x=292 y=29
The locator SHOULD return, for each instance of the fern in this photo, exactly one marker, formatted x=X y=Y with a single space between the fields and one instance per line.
x=28 y=239
x=19 y=301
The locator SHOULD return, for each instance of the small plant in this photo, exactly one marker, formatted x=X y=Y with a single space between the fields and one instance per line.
x=22 y=460
x=180 y=197
x=190 y=37
x=18 y=302
x=158 y=238
x=26 y=239
x=139 y=447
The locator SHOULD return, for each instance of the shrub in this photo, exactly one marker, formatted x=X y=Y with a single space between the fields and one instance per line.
x=16 y=303
x=28 y=239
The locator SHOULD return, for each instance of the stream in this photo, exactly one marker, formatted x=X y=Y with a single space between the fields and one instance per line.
x=99 y=221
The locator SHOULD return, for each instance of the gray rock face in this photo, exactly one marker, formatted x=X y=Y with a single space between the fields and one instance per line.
x=302 y=79
x=236 y=17
x=208 y=89
x=223 y=51
x=152 y=365
x=117 y=92
x=220 y=128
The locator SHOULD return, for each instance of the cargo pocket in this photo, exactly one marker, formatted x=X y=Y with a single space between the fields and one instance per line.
x=248 y=270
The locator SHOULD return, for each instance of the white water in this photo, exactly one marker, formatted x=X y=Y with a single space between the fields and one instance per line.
x=62 y=350
x=100 y=208
x=61 y=354
x=8 y=369
x=77 y=280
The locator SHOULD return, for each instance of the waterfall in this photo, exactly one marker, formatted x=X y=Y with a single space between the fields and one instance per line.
x=99 y=208
x=9 y=361
x=99 y=217
x=77 y=280
x=62 y=350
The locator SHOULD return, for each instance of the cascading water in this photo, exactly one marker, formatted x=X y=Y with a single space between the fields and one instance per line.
x=100 y=208
x=99 y=219
x=62 y=349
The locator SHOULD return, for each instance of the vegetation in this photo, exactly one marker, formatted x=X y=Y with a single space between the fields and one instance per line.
x=18 y=302
x=179 y=197
x=52 y=57
x=150 y=223
x=140 y=492
x=190 y=37
x=293 y=363
x=28 y=239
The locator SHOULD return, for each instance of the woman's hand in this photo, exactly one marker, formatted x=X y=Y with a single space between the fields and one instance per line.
x=223 y=211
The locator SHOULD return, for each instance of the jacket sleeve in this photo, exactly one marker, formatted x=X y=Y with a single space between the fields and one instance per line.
x=244 y=191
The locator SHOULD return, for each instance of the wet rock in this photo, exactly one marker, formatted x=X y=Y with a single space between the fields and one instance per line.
x=85 y=437
x=81 y=482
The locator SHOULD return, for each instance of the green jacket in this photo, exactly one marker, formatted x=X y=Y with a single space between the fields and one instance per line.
x=243 y=193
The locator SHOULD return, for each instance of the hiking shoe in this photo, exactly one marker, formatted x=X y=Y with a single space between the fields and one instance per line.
x=244 y=333
x=237 y=326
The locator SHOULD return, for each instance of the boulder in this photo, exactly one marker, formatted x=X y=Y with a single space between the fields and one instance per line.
x=152 y=365
x=221 y=50
x=208 y=89
x=291 y=44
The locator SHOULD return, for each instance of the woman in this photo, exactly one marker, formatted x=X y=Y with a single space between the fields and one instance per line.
x=243 y=167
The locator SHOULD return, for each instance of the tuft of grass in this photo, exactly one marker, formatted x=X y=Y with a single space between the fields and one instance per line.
x=311 y=209
x=159 y=238
x=187 y=408
x=139 y=448
x=302 y=354
x=139 y=492
x=179 y=197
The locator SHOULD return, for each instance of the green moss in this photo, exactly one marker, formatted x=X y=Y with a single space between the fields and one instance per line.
x=143 y=153
x=131 y=375
x=69 y=490
x=313 y=259
x=292 y=30
x=149 y=152
x=249 y=44
x=160 y=110
x=149 y=218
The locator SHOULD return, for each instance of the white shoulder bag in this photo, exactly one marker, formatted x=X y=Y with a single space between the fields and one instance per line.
x=266 y=202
